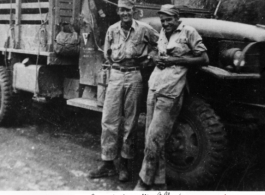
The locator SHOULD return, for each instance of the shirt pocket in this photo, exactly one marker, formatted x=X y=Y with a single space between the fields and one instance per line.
x=182 y=40
x=181 y=47
x=137 y=39
x=138 y=42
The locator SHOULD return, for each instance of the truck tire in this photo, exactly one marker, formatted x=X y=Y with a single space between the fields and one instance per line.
x=5 y=94
x=195 y=151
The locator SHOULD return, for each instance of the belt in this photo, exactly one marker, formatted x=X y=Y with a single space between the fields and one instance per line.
x=125 y=69
x=125 y=62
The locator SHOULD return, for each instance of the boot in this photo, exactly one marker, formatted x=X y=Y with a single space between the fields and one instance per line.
x=123 y=170
x=105 y=170
x=141 y=186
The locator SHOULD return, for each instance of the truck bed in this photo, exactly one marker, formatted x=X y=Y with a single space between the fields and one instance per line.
x=30 y=26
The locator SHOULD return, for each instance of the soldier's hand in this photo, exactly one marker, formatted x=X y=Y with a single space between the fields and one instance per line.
x=172 y=60
x=158 y=60
x=107 y=63
x=147 y=62
x=161 y=66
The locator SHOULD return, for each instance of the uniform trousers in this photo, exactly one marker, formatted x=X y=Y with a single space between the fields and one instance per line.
x=122 y=100
x=162 y=112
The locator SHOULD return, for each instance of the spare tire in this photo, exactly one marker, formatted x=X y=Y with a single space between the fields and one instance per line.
x=196 y=149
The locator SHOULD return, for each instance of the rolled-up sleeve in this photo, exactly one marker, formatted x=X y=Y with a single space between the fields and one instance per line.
x=195 y=43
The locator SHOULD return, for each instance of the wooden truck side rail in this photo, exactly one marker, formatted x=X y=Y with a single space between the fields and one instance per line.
x=30 y=27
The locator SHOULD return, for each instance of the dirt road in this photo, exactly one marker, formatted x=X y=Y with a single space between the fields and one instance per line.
x=32 y=159
x=46 y=152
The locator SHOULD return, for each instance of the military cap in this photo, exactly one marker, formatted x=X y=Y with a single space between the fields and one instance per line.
x=169 y=10
x=129 y=4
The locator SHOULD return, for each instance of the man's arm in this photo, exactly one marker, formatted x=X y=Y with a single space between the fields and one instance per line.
x=199 y=57
x=107 y=44
x=153 y=38
x=188 y=61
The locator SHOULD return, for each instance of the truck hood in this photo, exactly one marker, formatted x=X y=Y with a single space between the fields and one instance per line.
x=217 y=28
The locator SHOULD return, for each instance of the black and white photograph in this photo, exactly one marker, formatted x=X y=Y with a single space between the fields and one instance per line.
x=151 y=96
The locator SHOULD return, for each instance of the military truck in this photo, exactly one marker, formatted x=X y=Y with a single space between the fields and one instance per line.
x=32 y=61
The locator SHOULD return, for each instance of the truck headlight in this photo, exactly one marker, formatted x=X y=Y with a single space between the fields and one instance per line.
x=232 y=58
x=238 y=61
x=242 y=57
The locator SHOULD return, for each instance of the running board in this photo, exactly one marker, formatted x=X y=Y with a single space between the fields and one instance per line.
x=84 y=103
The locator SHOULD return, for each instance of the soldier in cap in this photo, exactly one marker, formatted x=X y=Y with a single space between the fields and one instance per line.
x=126 y=42
x=179 y=47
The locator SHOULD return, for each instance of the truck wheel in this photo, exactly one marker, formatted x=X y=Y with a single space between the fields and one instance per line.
x=196 y=149
x=5 y=94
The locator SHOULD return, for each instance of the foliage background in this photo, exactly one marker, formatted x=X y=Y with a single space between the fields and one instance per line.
x=246 y=11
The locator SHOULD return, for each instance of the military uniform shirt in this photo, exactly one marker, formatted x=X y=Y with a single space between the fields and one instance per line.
x=136 y=44
x=185 y=41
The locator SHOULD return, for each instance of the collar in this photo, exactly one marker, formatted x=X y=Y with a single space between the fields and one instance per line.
x=180 y=27
x=132 y=27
